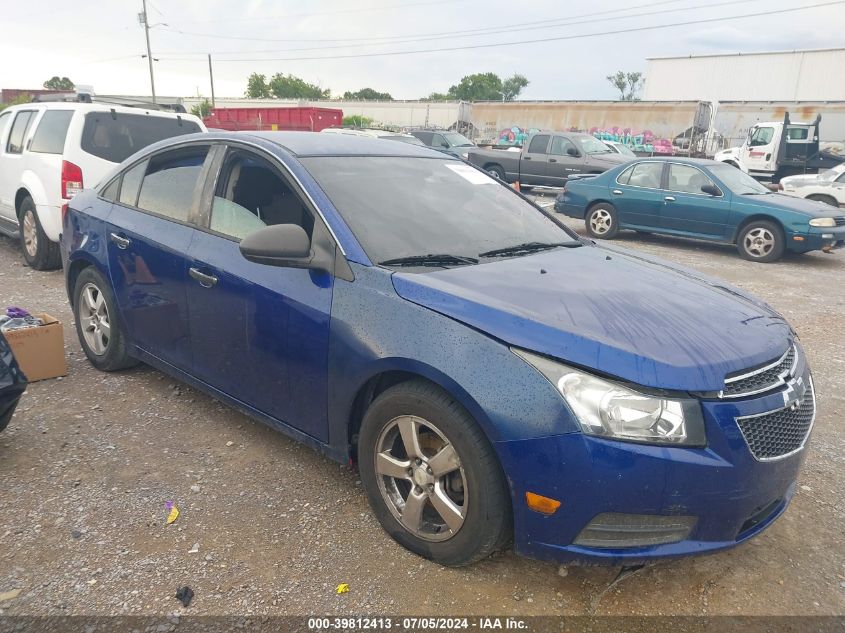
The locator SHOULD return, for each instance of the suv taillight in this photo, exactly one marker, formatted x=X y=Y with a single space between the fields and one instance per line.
x=71 y=180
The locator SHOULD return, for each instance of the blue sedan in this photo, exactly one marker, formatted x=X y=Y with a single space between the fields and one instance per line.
x=701 y=199
x=494 y=377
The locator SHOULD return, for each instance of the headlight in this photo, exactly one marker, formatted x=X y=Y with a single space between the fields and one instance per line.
x=613 y=410
x=826 y=222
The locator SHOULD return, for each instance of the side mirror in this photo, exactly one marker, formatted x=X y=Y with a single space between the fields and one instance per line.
x=573 y=152
x=711 y=190
x=279 y=245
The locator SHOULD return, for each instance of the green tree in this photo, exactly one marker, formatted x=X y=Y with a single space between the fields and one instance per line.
x=367 y=94
x=512 y=86
x=436 y=96
x=256 y=87
x=357 y=120
x=478 y=87
x=628 y=85
x=59 y=83
x=20 y=99
x=292 y=87
x=202 y=109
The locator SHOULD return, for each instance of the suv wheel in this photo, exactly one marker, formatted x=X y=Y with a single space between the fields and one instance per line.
x=38 y=250
x=761 y=241
x=98 y=324
x=431 y=477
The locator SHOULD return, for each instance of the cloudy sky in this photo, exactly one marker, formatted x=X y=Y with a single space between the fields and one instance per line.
x=364 y=43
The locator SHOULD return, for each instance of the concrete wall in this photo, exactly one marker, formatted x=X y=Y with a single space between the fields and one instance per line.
x=786 y=76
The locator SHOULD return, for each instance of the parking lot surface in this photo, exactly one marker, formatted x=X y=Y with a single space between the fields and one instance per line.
x=268 y=526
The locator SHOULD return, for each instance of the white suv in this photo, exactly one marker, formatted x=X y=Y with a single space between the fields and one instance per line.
x=50 y=151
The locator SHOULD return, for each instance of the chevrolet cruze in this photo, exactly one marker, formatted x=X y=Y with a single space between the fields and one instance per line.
x=494 y=377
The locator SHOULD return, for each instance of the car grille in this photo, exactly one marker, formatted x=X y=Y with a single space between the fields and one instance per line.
x=782 y=432
x=840 y=221
x=765 y=378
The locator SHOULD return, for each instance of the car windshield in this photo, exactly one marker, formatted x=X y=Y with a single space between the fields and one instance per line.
x=738 y=181
x=829 y=175
x=412 y=140
x=624 y=149
x=592 y=145
x=458 y=140
x=410 y=207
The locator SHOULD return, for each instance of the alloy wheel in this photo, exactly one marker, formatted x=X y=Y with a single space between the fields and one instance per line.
x=759 y=242
x=421 y=478
x=601 y=221
x=30 y=233
x=94 y=318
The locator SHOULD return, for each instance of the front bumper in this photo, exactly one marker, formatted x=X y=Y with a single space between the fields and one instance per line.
x=817 y=238
x=732 y=495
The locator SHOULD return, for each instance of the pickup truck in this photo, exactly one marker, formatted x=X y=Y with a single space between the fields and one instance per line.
x=548 y=159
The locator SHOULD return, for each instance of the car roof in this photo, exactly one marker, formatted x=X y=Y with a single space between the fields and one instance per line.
x=685 y=160
x=97 y=107
x=317 y=144
x=371 y=132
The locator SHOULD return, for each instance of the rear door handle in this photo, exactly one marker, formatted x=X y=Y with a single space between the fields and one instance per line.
x=206 y=281
x=553 y=160
x=617 y=192
x=122 y=242
x=669 y=198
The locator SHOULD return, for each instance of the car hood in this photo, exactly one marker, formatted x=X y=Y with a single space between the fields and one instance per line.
x=615 y=312
x=810 y=208
x=800 y=180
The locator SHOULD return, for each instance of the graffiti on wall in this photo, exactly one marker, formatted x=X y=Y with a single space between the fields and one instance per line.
x=643 y=142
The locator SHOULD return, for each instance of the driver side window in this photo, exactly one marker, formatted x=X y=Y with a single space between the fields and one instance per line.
x=761 y=136
x=251 y=194
x=561 y=146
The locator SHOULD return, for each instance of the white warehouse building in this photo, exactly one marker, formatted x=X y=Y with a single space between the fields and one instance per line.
x=810 y=75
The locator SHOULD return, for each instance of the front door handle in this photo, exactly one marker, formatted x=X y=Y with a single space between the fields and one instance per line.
x=122 y=242
x=553 y=160
x=206 y=281
x=526 y=158
x=617 y=192
x=669 y=198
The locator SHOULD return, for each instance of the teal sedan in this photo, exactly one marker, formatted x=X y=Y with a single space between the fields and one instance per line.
x=701 y=199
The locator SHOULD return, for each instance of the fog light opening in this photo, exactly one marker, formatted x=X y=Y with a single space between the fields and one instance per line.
x=613 y=530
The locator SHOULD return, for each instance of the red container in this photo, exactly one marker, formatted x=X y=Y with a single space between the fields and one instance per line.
x=277 y=118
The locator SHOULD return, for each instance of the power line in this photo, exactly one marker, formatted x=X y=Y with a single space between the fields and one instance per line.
x=390 y=38
x=321 y=13
x=557 y=24
x=541 y=40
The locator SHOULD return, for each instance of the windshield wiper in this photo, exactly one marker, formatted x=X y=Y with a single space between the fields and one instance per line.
x=527 y=247
x=432 y=259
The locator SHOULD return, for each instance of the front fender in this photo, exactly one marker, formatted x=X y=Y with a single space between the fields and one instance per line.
x=374 y=330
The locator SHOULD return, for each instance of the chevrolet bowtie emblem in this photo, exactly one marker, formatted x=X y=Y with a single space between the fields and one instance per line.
x=794 y=393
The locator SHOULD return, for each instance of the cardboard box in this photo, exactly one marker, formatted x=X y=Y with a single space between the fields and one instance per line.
x=40 y=351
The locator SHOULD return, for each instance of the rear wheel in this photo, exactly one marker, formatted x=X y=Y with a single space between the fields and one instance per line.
x=432 y=478
x=97 y=323
x=496 y=171
x=820 y=197
x=39 y=251
x=602 y=221
x=761 y=241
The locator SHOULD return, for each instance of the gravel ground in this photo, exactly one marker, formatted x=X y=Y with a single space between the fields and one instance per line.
x=270 y=527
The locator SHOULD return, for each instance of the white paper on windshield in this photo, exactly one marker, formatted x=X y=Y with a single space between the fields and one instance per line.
x=471 y=174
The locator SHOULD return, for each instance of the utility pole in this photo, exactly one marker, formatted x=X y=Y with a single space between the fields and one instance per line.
x=211 y=77
x=149 y=52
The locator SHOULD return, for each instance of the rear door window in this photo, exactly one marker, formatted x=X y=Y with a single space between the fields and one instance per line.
x=115 y=137
x=539 y=144
x=19 y=129
x=171 y=181
x=5 y=117
x=51 y=132
x=131 y=184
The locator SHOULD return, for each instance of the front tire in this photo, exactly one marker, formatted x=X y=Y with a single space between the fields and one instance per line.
x=39 y=251
x=98 y=323
x=431 y=476
x=602 y=221
x=761 y=241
